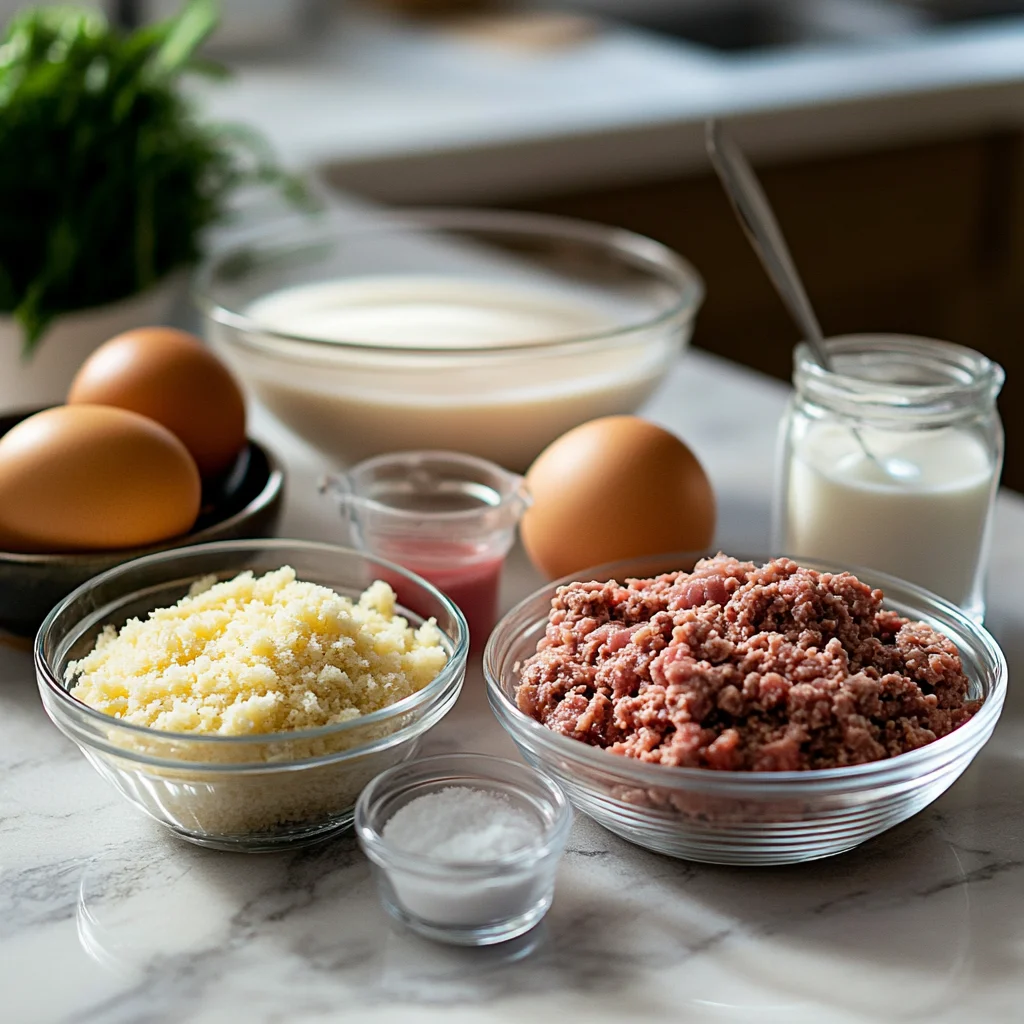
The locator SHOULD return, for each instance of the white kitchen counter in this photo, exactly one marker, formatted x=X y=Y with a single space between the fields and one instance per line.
x=104 y=917
x=421 y=116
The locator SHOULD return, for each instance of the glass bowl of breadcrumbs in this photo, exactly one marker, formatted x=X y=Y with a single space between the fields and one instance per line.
x=242 y=693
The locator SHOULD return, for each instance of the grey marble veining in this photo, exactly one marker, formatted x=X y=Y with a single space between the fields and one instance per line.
x=104 y=917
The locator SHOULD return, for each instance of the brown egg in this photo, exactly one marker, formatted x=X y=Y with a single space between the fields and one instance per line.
x=173 y=378
x=90 y=477
x=617 y=487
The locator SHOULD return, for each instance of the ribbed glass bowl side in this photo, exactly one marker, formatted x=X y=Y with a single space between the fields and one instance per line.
x=236 y=792
x=754 y=818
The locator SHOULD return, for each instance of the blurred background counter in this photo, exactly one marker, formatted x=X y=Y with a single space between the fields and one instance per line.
x=889 y=133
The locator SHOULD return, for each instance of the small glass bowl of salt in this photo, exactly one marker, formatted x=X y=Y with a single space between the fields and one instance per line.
x=464 y=847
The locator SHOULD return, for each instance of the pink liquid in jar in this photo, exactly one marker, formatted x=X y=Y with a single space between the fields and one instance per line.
x=467 y=575
x=445 y=516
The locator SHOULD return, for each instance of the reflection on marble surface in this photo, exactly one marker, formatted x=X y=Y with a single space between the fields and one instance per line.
x=885 y=933
x=104 y=917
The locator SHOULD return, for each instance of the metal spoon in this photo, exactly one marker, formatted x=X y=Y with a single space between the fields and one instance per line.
x=755 y=215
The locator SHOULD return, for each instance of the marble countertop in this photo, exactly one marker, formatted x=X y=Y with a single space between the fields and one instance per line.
x=407 y=114
x=106 y=918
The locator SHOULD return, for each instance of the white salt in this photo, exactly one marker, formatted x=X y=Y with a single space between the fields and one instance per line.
x=461 y=824
x=453 y=830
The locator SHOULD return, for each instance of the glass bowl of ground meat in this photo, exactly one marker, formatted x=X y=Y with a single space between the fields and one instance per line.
x=744 y=711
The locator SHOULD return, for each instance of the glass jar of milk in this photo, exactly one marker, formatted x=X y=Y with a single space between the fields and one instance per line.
x=891 y=460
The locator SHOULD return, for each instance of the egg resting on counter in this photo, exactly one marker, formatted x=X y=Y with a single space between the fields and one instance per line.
x=90 y=477
x=173 y=378
x=616 y=487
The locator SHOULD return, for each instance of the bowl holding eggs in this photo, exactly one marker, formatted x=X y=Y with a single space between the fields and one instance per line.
x=149 y=452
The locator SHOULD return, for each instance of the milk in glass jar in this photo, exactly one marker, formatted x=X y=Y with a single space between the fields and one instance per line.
x=890 y=460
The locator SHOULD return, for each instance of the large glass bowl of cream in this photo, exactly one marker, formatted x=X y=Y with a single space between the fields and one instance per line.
x=485 y=332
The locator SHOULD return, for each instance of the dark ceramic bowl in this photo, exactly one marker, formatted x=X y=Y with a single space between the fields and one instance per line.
x=245 y=503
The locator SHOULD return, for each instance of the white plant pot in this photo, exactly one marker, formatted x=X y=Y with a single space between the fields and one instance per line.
x=45 y=376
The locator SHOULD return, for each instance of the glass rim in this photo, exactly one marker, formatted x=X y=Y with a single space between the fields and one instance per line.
x=73 y=706
x=626 y=245
x=550 y=841
x=813 y=782
x=515 y=488
x=972 y=377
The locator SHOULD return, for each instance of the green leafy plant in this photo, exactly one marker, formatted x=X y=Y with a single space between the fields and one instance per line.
x=107 y=179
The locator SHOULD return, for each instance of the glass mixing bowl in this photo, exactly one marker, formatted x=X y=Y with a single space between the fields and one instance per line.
x=755 y=818
x=233 y=792
x=475 y=331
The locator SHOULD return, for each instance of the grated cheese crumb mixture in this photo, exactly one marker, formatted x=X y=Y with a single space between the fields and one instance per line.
x=251 y=656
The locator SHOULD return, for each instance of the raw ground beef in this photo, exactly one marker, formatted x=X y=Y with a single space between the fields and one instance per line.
x=742 y=667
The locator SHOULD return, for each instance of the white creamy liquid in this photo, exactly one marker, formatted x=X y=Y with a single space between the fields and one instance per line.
x=506 y=406
x=928 y=528
x=424 y=312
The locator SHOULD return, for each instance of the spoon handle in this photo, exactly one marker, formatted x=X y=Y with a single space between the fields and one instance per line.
x=762 y=229
x=755 y=216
